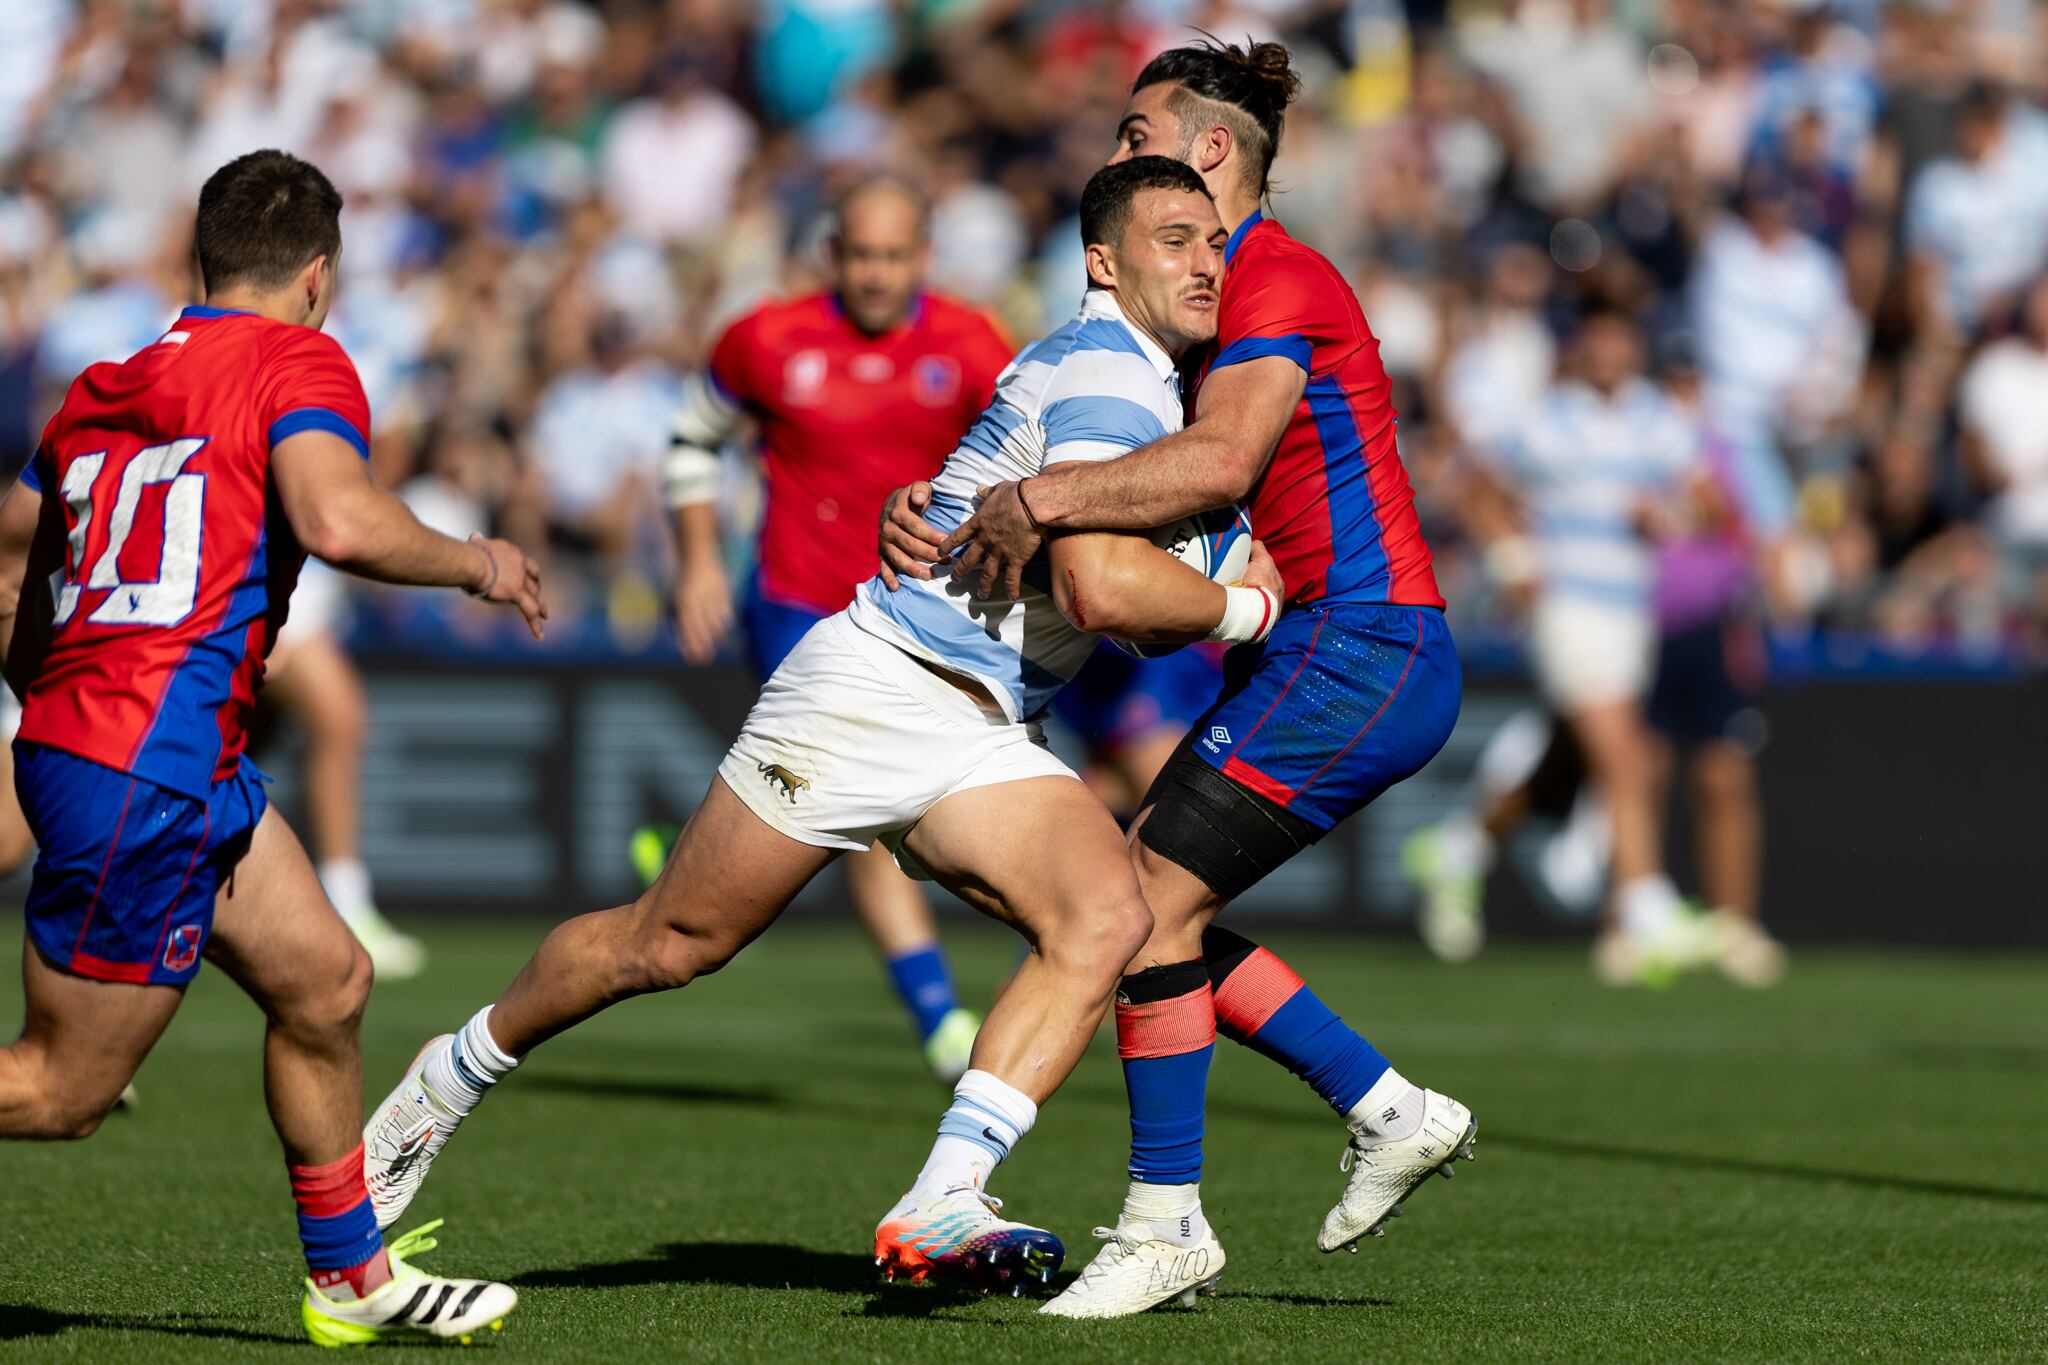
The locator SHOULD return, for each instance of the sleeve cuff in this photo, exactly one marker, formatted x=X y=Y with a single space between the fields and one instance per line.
x=1295 y=348
x=31 y=476
x=318 y=419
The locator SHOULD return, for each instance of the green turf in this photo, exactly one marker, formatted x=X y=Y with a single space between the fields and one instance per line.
x=1850 y=1166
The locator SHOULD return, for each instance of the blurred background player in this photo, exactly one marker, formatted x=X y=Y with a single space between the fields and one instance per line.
x=1704 y=717
x=1603 y=468
x=855 y=390
x=312 y=678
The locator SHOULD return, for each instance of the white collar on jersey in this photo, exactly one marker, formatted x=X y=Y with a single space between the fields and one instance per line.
x=1100 y=303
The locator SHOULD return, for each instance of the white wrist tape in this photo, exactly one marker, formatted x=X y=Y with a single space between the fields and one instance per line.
x=1248 y=615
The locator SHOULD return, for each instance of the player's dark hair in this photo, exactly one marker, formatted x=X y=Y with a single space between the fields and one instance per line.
x=262 y=217
x=1257 y=80
x=1106 y=204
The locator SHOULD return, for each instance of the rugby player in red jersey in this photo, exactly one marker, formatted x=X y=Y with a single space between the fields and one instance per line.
x=1356 y=688
x=169 y=508
x=855 y=390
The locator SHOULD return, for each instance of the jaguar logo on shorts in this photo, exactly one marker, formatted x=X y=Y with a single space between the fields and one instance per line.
x=183 y=949
x=790 y=783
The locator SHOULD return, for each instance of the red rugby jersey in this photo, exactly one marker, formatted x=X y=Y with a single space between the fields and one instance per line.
x=845 y=419
x=179 y=566
x=1334 y=507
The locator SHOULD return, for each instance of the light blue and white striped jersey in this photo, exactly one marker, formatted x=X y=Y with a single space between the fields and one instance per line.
x=1583 y=463
x=1092 y=390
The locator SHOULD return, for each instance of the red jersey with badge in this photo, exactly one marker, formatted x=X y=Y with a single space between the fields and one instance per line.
x=1334 y=507
x=845 y=419
x=178 y=566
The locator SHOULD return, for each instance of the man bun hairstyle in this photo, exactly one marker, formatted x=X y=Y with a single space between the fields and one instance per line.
x=262 y=218
x=1106 y=204
x=1253 y=84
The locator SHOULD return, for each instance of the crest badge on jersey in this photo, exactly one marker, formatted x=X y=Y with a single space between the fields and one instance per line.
x=935 y=380
x=183 y=948
x=803 y=378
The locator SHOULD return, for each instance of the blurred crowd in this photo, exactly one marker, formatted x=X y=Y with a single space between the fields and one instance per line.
x=1828 y=218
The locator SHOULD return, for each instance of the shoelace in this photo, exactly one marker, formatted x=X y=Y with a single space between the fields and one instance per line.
x=1111 y=1256
x=994 y=1204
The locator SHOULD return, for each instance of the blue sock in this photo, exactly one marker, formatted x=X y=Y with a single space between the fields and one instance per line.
x=1166 y=1034
x=925 y=986
x=1261 y=1003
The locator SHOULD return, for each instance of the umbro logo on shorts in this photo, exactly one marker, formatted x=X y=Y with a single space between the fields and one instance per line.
x=1217 y=738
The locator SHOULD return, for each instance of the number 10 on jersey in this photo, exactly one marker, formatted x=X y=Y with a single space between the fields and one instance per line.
x=170 y=596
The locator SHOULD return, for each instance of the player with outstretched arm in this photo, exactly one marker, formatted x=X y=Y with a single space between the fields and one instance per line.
x=1356 y=689
x=911 y=717
x=169 y=508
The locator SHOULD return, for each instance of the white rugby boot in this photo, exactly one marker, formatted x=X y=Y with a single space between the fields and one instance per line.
x=1385 y=1171
x=1134 y=1272
x=413 y=1303
x=404 y=1135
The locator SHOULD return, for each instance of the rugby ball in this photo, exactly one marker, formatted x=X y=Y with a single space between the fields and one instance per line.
x=1216 y=544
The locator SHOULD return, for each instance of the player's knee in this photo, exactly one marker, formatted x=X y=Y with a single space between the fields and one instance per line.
x=1722 y=778
x=74 y=1123
x=333 y=1007
x=671 y=957
x=1101 y=937
x=57 y=1111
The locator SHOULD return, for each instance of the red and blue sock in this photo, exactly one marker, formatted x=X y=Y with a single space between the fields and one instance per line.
x=925 y=985
x=338 y=1227
x=1261 y=1003
x=1166 y=1034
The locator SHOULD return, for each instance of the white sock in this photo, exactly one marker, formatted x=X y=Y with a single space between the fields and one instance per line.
x=468 y=1065
x=1391 y=1109
x=1169 y=1213
x=1465 y=846
x=1646 y=907
x=987 y=1118
x=347 y=883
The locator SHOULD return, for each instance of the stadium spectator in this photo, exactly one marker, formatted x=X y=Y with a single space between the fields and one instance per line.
x=1977 y=220
x=1883 y=171
x=2004 y=408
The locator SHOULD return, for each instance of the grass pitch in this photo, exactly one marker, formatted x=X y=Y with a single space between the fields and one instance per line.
x=1851 y=1165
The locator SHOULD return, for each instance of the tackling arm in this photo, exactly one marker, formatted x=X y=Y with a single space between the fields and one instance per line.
x=1243 y=411
x=1213 y=462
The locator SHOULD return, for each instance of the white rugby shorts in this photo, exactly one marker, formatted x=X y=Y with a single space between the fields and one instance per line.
x=318 y=605
x=853 y=741
x=1588 y=653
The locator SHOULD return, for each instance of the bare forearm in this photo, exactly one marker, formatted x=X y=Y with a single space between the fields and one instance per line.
x=373 y=534
x=1176 y=476
x=1126 y=587
x=697 y=537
